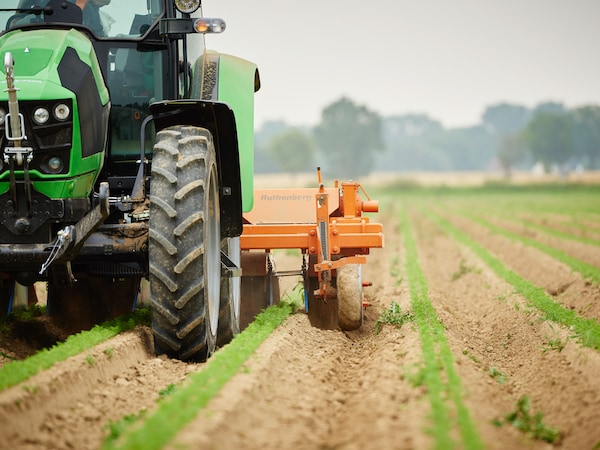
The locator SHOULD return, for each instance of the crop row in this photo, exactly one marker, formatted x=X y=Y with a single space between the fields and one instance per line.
x=439 y=374
x=182 y=403
x=587 y=330
x=181 y=406
x=571 y=212
x=18 y=371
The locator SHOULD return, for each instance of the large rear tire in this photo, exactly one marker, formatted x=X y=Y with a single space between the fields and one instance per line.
x=185 y=244
x=229 y=309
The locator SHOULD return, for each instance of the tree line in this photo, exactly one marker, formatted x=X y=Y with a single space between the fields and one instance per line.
x=350 y=141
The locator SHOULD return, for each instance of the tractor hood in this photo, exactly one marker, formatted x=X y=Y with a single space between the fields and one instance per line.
x=49 y=63
x=57 y=67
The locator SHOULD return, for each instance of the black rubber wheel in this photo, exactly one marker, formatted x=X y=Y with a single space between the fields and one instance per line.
x=229 y=309
x=350 y=296
x=185 y=244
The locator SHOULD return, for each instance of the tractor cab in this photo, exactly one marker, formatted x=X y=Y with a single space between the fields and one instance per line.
x=138 y=65
x=133 y=60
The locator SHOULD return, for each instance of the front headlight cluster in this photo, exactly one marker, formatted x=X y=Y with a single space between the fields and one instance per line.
x=61 y=112
x=187 y=6
x=48 y=130
x=41 y=115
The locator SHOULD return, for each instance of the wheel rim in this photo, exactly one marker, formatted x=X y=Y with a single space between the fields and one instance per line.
x=213 y=256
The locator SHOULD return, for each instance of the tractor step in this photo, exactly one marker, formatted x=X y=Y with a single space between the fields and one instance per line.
x=229 y=268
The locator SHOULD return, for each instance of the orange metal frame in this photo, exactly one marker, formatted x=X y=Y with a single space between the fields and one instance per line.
x=327 y=223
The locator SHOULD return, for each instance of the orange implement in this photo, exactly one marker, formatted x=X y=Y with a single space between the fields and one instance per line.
x=328 y=226
x=321 y=222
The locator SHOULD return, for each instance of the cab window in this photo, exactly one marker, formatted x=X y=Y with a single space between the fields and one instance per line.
x=105 y=18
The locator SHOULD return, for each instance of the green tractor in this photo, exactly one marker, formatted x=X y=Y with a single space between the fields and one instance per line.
x=126 y=153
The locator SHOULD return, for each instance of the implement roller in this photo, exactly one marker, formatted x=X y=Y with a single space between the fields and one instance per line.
x=328 y=227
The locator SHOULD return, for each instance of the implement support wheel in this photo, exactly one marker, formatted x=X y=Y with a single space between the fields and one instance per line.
x=350 y=297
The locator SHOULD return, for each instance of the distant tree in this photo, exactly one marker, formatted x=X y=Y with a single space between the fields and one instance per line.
x=550 y=107
x=468 y=148
x=504 y=118
x=405 y=144
x=586 y=130
x=347 y=137
x=293 y=150
x=269 y=130
x=409 y=126
x=263 y=162
x=549 y=137
x=511 y=151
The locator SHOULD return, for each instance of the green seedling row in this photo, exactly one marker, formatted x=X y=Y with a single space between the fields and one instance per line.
x=527 y=213
x=573 y=203
x=586 y=330
x=16 y=372
x=587 y=271
x=553 y=232
x=440 y=377
x=184 y=404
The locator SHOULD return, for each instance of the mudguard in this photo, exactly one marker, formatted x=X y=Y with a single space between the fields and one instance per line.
x=218 y=118
x=237 y=82
x=222 y=101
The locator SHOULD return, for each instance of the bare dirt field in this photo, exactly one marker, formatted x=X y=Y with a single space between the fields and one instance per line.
x=306 y=388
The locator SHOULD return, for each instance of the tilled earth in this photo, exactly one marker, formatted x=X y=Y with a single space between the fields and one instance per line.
x=307 y=388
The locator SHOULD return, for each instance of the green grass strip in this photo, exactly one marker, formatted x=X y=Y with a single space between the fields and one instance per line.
x=586 y=270
x=587 y=330
x=523 y=214
x=183 y=405
x=16 y=372
x=438 y=357
x=557 y=233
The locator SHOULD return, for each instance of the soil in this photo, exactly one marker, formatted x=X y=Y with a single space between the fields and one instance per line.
x=307 y=388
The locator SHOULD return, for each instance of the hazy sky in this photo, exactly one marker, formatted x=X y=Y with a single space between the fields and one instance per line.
x=446 y=58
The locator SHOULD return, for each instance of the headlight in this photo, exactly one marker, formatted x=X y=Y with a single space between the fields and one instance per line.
x=187 y=6
x=2 y=116
x=55 y=164
x=61 y=111
x=41 y=116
